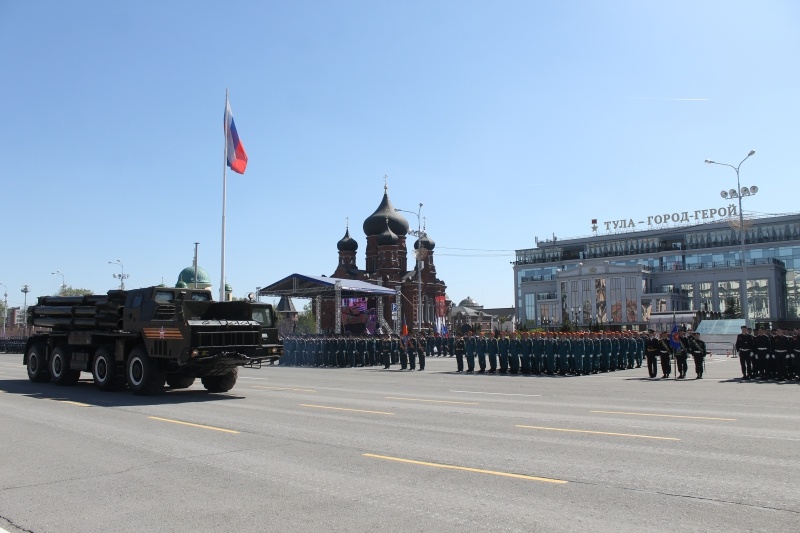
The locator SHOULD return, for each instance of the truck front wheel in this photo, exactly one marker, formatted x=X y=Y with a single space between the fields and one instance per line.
x=104 y=370
x=60 y=371
x=179 y=382
x=222 y=383
x=37 y=364
x=144 y=377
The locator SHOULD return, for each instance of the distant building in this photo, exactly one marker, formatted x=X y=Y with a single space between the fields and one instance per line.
x=636 y=279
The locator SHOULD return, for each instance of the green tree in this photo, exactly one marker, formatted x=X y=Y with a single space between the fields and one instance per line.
x=306 y=320
x=69 y=290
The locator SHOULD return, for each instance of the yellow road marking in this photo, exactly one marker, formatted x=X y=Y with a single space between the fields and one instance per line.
x=79 y=404
x=666 y=416
x=281 y=388
x=598 y=432
x=193 y=425
x=432 y=401
x=343 y=409
x=466 y=469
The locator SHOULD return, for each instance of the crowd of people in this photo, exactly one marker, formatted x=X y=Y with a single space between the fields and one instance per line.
x=536 y=353
x=769 y=355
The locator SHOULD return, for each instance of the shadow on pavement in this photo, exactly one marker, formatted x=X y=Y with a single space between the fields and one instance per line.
x=85 y=392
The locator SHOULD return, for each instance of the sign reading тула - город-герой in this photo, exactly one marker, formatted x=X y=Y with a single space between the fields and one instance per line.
x=688 y=217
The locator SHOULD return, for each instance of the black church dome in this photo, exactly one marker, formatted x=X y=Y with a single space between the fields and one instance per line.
x=347 y=244
x=376 y=222
x=426 y=242
x=387 y=237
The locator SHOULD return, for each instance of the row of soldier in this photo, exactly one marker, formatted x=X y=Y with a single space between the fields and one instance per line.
x=564 y=353
x=773 y=354
x=355 y=350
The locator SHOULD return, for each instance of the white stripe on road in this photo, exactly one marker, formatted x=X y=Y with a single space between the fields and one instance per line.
x=496 y=393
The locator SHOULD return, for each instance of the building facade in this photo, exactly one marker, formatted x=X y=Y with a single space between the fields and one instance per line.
x=624 y=280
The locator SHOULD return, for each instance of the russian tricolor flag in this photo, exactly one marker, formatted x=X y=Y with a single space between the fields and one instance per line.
x=237 y=158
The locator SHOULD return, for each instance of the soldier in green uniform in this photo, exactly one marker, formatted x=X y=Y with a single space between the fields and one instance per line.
x=471 y=347
x=492 y=348
x=481 y=347
x=514 y=347
x=502 y=352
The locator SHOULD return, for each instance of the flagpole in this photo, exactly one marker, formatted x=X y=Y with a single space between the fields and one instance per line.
x=224 y=192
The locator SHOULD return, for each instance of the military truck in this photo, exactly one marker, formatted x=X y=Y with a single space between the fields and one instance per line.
x=145 y=337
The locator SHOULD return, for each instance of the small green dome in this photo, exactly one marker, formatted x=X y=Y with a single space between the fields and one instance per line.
x=187 y=276
x=228 y=288
x=180 y=285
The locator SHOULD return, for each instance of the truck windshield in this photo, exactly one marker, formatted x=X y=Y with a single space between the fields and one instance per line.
x=263 y=317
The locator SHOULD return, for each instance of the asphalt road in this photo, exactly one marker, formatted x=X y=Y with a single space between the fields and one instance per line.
x=301 y=449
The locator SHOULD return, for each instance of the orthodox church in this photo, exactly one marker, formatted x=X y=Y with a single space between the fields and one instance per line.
x=386 y=264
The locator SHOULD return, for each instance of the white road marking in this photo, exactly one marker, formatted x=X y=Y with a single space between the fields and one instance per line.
x=496 y=393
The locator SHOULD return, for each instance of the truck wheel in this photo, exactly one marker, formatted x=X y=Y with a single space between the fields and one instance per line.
x=179 y=382
x=60 y=372
x=104 y=370
x=37 y=365
x=144 y=377
x=222 y=383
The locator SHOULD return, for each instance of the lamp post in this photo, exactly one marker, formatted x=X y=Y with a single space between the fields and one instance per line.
x=5 y=307
x=25 y=290
x=122 y=276
x=63 y=283
x=739 y=193
x=419 y=235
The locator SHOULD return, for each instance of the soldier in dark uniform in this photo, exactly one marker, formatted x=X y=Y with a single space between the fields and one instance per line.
x=439 y=345
x=341 y=351
x=386 y=351
x=525 y=351
x=698 y=353
x=762 y=345
x=401 y=347
x=492 y=348
x=395 y=343
x=460 y=347
x=411 y=350
x=421 y=352
x=430 y=342
x=744 y=347
x=782 y=348
x=796 y=345
x=537 y=351
x=471 y=346
x=451 y=345
x=665 y=354
x=481 y=348
x=651 y=353
x=682 y=354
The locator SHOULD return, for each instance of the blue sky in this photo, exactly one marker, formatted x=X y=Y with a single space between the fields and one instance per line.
x=508 y=120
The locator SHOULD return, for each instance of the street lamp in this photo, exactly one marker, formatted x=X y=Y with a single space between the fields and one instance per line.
x=739 y=193
x=63 y=283
x=5 y=307
x=122 y=276
x=417 y=256
x=25 y=290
